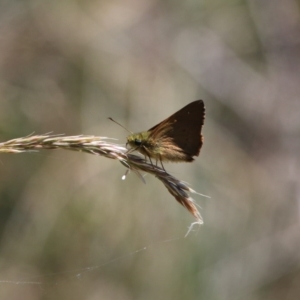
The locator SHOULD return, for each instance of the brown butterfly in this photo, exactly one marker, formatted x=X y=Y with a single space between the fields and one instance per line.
x=176 y=139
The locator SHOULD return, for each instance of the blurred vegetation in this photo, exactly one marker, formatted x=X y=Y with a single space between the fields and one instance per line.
x=65 y=66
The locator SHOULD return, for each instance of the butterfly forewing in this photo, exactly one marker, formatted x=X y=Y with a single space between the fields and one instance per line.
x=183 y=129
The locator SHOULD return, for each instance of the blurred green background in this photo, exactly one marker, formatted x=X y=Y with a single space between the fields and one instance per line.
x=66 y=66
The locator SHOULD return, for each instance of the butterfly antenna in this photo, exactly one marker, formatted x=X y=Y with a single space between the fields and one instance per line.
x=120 y=125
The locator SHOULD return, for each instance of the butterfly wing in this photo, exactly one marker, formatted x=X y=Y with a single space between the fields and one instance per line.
x=182 y=130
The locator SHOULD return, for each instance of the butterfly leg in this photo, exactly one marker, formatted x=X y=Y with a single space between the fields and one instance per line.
x=131 y=150
x=161 y=163
x=147 y=155
x=150 y=160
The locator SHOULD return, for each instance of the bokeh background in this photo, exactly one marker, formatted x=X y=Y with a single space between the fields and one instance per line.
x=70 y=228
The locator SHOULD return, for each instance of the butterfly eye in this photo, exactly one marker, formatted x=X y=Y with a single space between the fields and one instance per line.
x=138 y=142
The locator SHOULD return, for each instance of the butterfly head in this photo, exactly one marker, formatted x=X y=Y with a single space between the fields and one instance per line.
x=136 y=140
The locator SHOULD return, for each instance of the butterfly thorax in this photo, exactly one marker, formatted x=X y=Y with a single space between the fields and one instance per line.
x=158 y=149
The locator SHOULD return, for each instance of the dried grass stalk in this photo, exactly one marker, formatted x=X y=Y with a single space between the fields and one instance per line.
x=100 y=146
